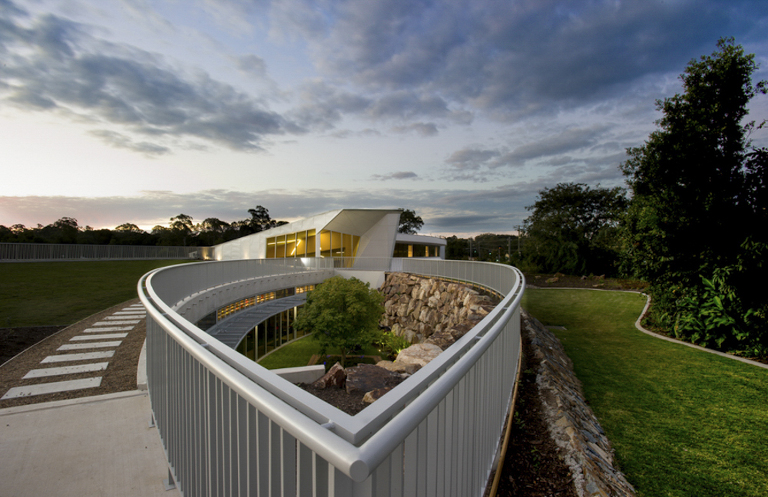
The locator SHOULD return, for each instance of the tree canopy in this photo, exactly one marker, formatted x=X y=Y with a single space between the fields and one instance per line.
x=342 y=313
x=410 y=223
x=696 y=223
x=574 y=229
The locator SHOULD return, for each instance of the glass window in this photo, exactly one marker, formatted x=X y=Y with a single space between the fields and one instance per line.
x=271 y=248
x=311 y=243
x=301 y=243
x=290 y=245
x=280 y=246
x=261 y=332
x=325 y=243
x=336 y=244
x=346 y=244
x=355 y=244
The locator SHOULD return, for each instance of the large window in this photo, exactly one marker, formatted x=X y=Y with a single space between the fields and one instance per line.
x=416 y=250
x=299 y=244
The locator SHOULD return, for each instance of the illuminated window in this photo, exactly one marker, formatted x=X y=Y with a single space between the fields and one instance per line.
x=301 y=244
x=311 y=239
x=280 y=246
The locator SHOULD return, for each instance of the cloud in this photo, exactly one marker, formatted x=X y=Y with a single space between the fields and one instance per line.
x=471 y=158
x=117 y=140
x=423 y=129
x=396 y=175
x=517 y=59
x=56 y=65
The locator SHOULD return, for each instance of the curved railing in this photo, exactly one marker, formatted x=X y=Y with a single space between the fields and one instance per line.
x=230 y=427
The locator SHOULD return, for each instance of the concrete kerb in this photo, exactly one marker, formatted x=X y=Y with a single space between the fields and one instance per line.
x=656 y=335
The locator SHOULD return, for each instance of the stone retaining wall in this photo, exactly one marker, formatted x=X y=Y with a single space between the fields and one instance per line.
x=427 y=309
x=571 y=422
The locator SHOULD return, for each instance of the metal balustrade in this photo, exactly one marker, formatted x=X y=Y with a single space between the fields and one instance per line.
x=18 y=252
x=230 y=427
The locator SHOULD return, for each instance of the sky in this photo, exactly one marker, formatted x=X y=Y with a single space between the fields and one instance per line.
x=135 y=111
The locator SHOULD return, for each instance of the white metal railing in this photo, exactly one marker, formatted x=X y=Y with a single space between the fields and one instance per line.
x=230 y=427
x=78 y=252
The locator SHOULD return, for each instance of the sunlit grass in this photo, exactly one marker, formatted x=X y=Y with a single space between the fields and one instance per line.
x=683 y=422
x=299 y=352
x=62 y=293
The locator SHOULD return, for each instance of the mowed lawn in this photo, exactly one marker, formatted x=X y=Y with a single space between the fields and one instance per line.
x=683 y=422
x=62 y=293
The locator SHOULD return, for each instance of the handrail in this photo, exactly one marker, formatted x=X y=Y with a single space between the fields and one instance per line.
x=357 y=445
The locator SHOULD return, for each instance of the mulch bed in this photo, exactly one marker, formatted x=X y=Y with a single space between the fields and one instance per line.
x=533 y=466
x=119 y=376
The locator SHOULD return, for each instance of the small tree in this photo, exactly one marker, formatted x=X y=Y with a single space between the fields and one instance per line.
x=342 y=313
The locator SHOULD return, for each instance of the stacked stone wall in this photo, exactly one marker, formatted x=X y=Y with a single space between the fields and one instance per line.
x=422 y=309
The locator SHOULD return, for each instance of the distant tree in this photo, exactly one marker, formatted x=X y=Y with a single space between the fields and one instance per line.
x=410 y=223
x=260 y=219
x=342 y=313
x=129 y=227
x=696 y=225
x=574 y=229
x=181 y=228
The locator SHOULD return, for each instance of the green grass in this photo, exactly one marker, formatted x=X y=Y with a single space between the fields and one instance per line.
x=298 y=353
x=62 y=293
x=683 y=422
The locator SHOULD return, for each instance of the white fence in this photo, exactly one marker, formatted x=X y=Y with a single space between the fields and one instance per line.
x=18 y=252
x=230 y=427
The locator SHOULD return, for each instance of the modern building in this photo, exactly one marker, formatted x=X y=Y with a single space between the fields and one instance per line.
x=346 y=234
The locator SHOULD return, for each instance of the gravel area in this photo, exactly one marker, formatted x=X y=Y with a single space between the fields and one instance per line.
x=119 y=376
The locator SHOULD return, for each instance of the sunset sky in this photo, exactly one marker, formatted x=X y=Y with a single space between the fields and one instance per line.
x=138 y=110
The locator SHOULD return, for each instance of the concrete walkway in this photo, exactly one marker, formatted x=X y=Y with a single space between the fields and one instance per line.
x=99 y=445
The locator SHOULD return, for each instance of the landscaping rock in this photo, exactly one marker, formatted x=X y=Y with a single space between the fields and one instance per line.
x=334 y=377
x=421 y=354
x=374 y=395
x=367 y=377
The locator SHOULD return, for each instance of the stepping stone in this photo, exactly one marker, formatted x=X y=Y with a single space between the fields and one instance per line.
x=83 y=368
x=105 y=336
x=118 y=318
x=90 y=345
x=110 y=323
x=111 y=328
x=86 y=356
x=59 y=386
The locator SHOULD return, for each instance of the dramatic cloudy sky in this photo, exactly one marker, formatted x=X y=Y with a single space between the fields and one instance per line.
x=137 y=110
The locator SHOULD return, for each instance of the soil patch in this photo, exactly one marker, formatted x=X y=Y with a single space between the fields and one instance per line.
x=532 y=466
x=14 y=341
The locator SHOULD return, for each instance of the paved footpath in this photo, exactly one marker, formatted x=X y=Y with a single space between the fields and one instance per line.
x=91 y=445
x=90 y=350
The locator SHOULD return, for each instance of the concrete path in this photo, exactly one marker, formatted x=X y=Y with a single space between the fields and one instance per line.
x=95 y=446
x=90 y=446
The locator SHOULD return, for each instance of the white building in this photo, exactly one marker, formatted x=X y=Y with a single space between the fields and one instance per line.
x=348 y=234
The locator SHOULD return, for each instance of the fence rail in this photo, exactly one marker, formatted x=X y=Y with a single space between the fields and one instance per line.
x=26 y=252
x=230 y=427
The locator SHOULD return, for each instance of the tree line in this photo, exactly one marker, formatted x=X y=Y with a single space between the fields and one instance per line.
x=693 y=220
x=181 y=231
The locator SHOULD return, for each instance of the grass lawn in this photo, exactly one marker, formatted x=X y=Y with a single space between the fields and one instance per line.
x=298 y=353
x=62 y=293
x=683 y=422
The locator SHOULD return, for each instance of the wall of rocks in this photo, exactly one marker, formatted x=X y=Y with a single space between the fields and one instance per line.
x=571 y=423
x=430 y=310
